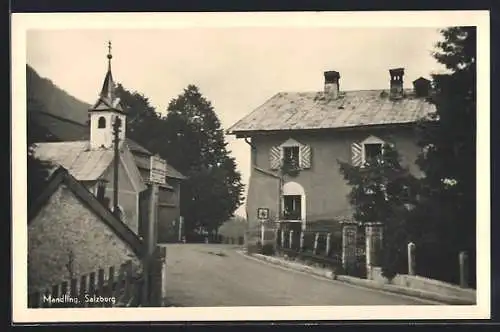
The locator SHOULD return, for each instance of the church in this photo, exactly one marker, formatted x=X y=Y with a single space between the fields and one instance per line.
x=91 y=162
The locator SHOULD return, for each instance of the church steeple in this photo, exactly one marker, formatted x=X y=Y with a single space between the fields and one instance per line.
x=105 y=111
x=107 y=98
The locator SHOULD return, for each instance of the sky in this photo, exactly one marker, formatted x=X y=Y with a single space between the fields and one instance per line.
x=237 y=69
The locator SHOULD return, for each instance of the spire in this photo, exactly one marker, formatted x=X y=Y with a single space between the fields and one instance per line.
x=107 y=98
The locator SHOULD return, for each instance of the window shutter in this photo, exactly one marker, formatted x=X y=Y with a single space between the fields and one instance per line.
x=356 y=154
x=275 y=157
x=305 y=156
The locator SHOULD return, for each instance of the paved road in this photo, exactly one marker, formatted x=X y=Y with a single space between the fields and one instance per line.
x=217 y=275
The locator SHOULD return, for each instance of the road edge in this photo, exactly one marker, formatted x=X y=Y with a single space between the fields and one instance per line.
x=370 y=284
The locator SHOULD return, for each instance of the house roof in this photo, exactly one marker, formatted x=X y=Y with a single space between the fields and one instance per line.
x=313 y=110
x=62 y=176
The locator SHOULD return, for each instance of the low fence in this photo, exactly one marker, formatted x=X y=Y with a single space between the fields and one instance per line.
x=103 y=288
x=316 y=247
x=116 y=286
x=239 y=240
x=217 y=238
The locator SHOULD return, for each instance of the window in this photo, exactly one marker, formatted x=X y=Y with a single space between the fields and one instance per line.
x=291 y=156
x=368 y=151
x=101 y=122
x=118 y=122
x=372 y=151
x=292 y=207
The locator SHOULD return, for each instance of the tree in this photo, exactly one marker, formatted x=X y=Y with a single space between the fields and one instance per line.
x=446 y=213
x=37 y=170
x=383 y=191
x=144 y=124
x=191 y=139
x=195 y=145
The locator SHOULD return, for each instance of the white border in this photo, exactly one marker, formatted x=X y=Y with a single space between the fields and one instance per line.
x=22 y=22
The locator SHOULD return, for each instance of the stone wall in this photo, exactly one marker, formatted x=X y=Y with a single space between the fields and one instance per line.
x=425 y=284
x=65 y=229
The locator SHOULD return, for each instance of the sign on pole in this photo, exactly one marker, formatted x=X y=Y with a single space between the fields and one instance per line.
x=263 y=213
x=263 y=216
x=158 y=170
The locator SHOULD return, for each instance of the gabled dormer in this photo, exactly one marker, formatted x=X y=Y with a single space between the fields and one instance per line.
x=106 y=110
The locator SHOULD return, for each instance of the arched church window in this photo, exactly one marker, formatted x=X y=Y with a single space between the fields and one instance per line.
x=118 y=122
x=102 y=122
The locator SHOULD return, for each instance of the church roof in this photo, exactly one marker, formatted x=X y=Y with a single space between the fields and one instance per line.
x=88 y=165
x=83 y=163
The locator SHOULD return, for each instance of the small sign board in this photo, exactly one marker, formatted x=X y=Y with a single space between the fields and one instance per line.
x=263 y=213
x=158 y=170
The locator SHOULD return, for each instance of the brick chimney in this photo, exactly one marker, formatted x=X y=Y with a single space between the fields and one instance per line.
x=332 y=84
x=396 y=91
x=422 y=87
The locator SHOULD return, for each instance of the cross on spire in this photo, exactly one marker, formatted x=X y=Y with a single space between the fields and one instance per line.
x=110 y=56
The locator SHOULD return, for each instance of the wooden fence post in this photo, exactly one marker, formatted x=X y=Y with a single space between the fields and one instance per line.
x=316 y=240
x=111 y=281
x=100 y=282
x=463 y=259
x=64 y=288
x=411 y=259
x=290 y=241
x=83 y=288
x=91 y=288
x=55 y=293
x=128 y=280
x=328 y=244
x=118 y=291
x=108 y=285
x=72 y=287
x=301 y=248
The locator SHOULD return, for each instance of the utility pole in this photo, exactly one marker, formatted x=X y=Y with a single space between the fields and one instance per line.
x=181 y=222
x=116 y=159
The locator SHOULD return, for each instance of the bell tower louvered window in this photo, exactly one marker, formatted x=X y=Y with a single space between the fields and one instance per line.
x=101 y=123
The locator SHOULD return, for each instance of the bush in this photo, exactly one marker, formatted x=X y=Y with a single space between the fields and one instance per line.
x=254 y=248
x=268 y=249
